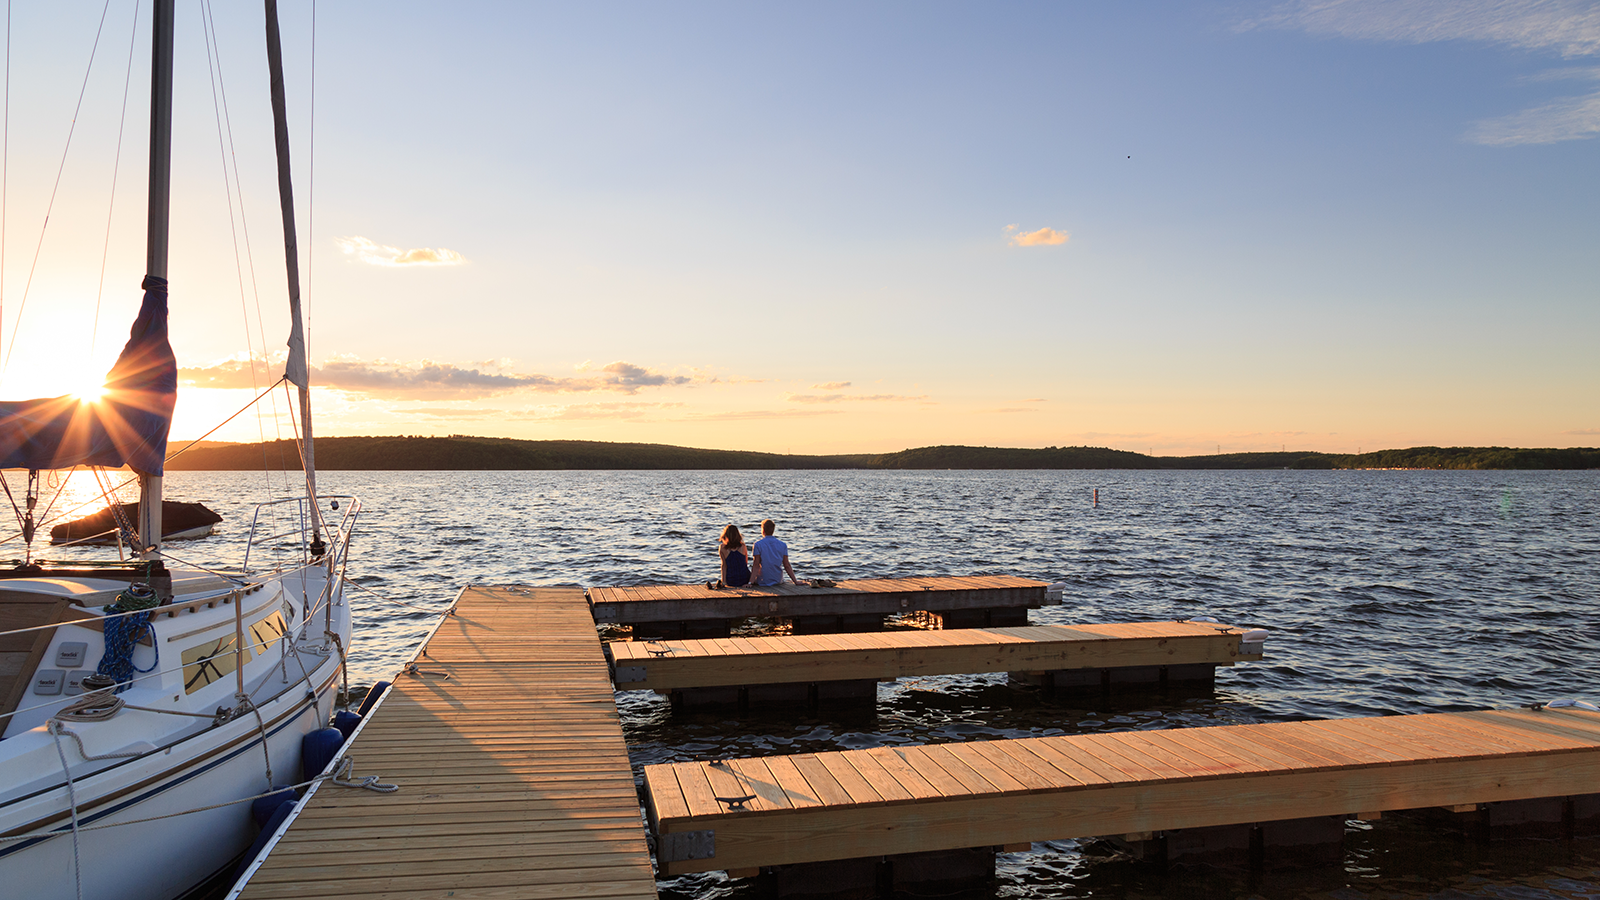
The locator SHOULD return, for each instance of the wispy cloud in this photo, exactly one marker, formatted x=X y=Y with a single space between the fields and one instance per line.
x=740 y=414
x=831 y=386
x=1567 y=119
x=449 y=412
x=430 y=380
x=854 y=398
x=1044 y=237
x=1583 y=432
x=382 y=255
x=232 y=374
x=608 y=411
x=1568 y=28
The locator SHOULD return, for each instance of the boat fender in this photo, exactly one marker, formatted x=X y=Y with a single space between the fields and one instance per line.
x=262 y=808
x=346 y=721
x=1056 y=589
x=1253 y=641
x=268 y=829
x=372 y=696
x=317 y=749
x=1575 y=704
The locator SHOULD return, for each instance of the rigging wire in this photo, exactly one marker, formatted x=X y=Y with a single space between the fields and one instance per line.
x=227 y=151
x=60 y=485
x=5 y=171
x=242 y=410
x=28 y=285
x=116 y=166
x=222 y=110
x=311 y=191
x=107 y=495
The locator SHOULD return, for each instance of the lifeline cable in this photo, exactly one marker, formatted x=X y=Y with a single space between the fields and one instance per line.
x=347 y=763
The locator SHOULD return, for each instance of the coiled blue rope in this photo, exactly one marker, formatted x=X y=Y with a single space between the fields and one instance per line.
x=123 y=632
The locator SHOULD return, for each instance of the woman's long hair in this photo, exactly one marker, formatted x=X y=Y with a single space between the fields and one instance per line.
x=732 y=538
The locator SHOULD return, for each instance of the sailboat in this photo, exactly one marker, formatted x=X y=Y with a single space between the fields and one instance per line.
x=143 y=705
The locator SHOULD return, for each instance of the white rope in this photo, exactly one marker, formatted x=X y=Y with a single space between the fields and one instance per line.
x=72 y=801
x=261 y=726
x=293 y=647
x=370 y=782
x=96 y=706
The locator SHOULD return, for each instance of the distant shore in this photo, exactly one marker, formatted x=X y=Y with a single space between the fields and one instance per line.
x=460 y=453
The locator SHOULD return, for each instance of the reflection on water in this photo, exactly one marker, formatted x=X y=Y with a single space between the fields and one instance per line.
x=1384 y=592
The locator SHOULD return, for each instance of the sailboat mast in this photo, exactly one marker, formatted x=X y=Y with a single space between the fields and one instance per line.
x=298 y=370
x=160 y=201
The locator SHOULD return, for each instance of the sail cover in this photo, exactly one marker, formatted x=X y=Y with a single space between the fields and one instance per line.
x=126 y=426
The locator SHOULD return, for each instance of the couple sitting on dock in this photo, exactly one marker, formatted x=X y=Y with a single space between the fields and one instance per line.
x=764 y=567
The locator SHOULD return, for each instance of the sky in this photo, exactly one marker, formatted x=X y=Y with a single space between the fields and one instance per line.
x=1172 y=228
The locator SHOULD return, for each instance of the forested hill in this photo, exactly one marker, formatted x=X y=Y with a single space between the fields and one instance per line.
x=474 y=453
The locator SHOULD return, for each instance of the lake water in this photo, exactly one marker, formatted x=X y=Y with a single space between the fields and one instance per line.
x=1384 y=592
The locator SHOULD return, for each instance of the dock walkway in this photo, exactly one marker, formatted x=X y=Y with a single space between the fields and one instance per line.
x=514 y=777
x=901 y=800
x=1191 y=649
x=977 y=600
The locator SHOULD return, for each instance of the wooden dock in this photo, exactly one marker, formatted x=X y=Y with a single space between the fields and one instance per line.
x=1189 y=648
x=743 y=814
x=856 y=605
x=514 y=777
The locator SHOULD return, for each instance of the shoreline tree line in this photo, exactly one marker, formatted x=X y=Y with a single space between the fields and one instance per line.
x=464 y=453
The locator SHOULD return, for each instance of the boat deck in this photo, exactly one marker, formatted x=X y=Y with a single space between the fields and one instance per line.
x=741 y=814
x=514 y=777
x=793 y=659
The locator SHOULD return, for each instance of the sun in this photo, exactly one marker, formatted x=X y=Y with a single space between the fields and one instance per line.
x=90 y=393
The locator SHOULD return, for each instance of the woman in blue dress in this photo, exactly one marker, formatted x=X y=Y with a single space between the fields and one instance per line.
x=735 y=558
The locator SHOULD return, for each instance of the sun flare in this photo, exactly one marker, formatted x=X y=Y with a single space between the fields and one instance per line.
x=90 y=393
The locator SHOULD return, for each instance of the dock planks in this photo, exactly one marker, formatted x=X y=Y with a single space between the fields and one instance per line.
x=696 y=602
x=890 y=800
x=514 y=777
x=792 y=659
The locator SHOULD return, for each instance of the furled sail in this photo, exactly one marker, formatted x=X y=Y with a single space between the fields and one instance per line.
x=126 y=426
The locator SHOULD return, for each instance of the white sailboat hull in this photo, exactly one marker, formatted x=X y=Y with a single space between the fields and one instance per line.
x=139 y=836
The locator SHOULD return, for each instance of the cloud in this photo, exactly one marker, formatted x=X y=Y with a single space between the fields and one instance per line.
x=1569 y=28
x=1567 y=119
x=763 y=414
x=1044 y=237
x=232 y=374
x=449 y=413
x=1014 y=409
x=380 y=255
x=628 y=377
x=1584 y=432
x=583 y=411
x=847 y=398
x=442 y=381
x=831 y=386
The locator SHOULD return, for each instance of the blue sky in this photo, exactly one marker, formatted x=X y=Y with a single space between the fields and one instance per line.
x=837 y=228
